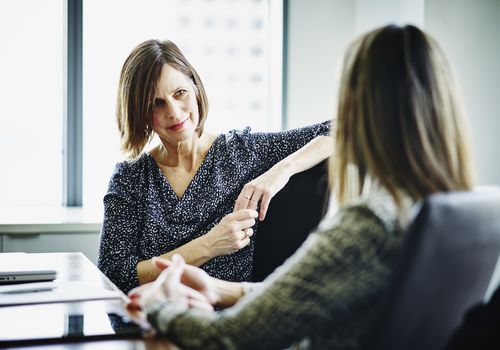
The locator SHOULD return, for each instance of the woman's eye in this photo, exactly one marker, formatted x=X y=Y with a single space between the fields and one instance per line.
x=158 y=103
x=180 y=93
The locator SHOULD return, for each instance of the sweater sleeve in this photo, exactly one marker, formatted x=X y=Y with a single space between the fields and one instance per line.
x=272 y=147
x=319 y=285
x=118 y=252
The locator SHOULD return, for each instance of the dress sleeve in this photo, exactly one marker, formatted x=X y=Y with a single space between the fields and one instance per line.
x=118 y=255
x=272 y=147
x=321 y=284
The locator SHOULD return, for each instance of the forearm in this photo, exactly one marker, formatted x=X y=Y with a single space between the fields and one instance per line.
x=196 y=253
x=306 y=157
x=228 y=293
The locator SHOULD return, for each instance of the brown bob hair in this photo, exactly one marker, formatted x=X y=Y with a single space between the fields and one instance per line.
x=399 y=120
x=137 y=87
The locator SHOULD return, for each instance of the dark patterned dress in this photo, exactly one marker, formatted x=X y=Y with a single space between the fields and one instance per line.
x=143 y=217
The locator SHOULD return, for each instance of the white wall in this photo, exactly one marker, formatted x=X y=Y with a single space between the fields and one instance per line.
x=469 y=33
x=318 y=31
x=467 y=30
x=370 y=14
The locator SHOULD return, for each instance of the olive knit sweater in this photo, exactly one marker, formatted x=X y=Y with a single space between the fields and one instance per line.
x=324 y=297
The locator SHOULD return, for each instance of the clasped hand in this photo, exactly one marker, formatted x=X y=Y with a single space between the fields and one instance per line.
x=178 y=283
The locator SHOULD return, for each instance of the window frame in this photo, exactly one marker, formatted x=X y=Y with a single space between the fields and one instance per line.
x=73 y=99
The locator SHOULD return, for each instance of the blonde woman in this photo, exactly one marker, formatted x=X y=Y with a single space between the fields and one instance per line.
x=401 y=136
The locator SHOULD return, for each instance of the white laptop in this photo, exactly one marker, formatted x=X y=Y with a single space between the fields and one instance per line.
x=24 y=276
x=22 y=268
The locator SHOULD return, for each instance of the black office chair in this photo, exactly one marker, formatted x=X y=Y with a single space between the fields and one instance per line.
x=293 y=213
x=446 y=265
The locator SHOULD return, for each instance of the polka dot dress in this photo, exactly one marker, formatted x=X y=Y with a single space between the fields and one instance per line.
x=143 y=217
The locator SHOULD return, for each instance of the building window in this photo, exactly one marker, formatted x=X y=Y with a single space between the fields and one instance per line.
x=31 y=108
x=236 y=47
x=232 y=44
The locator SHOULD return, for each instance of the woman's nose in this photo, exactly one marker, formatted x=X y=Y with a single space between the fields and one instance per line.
x=173 y=109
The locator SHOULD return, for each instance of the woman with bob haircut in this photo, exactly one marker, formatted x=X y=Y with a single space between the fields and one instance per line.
x=196 y=193
x=400 y=137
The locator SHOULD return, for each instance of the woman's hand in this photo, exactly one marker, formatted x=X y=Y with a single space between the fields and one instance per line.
x=195 y=278
x=168 y=287
x=232 y=233
x=261 y=190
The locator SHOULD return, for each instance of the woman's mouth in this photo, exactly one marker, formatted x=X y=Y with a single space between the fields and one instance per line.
x=178 y=126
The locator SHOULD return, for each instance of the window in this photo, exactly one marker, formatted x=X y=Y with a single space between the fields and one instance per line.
x=232 y=44
x=31 y=108
x=235 y=45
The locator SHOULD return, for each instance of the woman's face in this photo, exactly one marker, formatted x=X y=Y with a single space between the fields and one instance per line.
x=175 y=108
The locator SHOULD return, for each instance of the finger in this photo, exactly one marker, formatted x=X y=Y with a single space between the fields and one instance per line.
x=242 y=235
x=211 y=297
x=264 y=205
x=137 y=291
x=245 y=196
x=239 y=201
x=245 y=242
x=192 y=293
x=134 y=296
x=159 y=283
x=249 y=232
x=135 y=314
x=179 y=260
x=246 y=223
x=245 y=214
x=150 y=292
x=254 y=201
x=175 y=273
x=197 y=304
x=161 y=263
x=172 y=275
x=246 y=233
x=133 y=306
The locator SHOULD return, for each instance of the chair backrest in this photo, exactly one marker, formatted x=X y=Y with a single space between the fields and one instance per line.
x=446 y=265
x=293 y=213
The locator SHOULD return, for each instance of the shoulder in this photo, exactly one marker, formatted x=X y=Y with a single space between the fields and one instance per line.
x=245 y=135
x=371 y=221
x=129 y=167
x=237 y=136
x=377 y=206
x=129 y=173
x=324 y=128
x=311 y=131
x=236 y=141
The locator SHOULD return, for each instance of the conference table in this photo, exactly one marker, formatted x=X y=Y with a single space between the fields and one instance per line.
x=82 y=309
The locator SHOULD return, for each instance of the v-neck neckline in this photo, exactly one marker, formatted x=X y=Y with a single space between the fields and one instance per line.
x=195 y=176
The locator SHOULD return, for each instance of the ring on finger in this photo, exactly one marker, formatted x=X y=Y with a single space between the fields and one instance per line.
x=248 y=197
x=246 y=233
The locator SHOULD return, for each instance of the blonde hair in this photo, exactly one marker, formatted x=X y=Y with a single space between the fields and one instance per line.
x=399 y=120
x=136 y=91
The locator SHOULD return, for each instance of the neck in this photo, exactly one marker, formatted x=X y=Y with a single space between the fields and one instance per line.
x=182 y=154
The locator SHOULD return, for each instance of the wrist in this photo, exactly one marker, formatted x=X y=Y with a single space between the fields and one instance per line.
x=284 y=168
x=205 y=247
x=228 y=293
